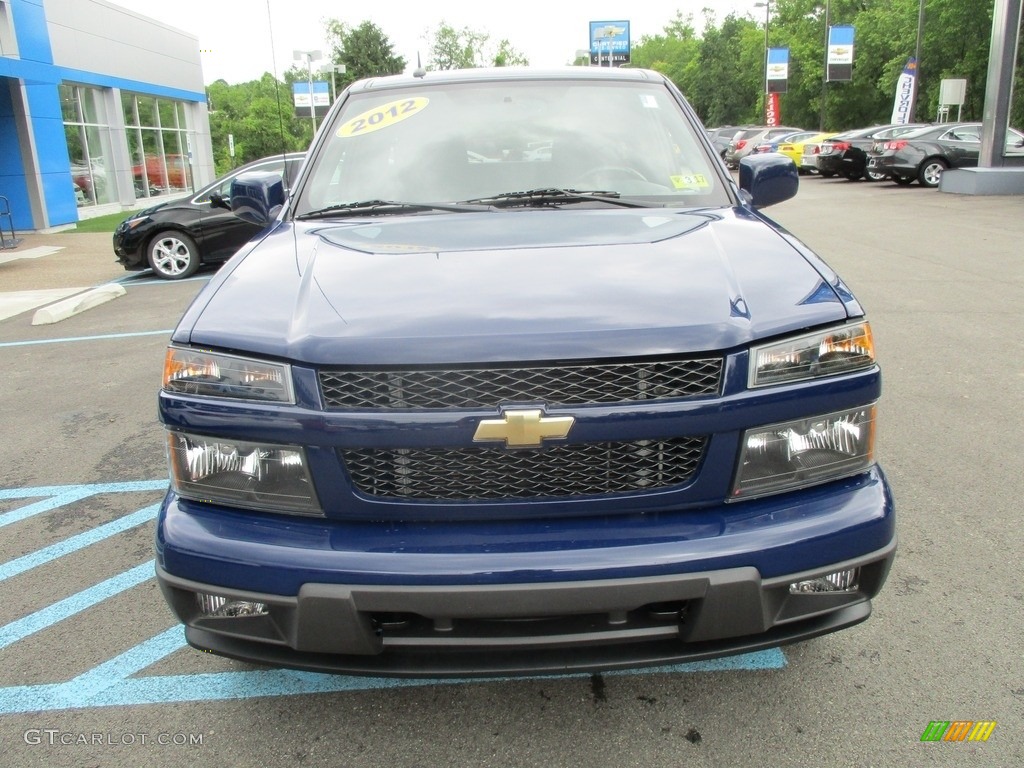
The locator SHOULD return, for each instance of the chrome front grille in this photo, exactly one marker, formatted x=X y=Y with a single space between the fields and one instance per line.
x=552 y=383
x=483 y=473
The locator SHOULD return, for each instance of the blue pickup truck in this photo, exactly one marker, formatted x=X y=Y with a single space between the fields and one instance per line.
x=518 y=379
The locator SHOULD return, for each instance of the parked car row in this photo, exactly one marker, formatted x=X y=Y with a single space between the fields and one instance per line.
x=905 y=153
x=846 y=154
x=746 y=139
x=924 y=154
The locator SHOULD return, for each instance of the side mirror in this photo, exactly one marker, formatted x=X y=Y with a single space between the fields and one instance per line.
x=217 y=201
x=257 y=197
x=768 y=179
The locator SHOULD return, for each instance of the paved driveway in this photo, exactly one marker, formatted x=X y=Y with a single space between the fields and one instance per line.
x=95 y=673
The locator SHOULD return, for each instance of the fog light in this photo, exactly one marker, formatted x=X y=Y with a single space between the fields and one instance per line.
x=220 y=606
x=840 y=581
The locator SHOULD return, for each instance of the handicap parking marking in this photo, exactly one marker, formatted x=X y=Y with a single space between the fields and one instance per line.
x=48 y=554
x=112 y=683
x=116 y=682
x=69 y=606
x=59 y=495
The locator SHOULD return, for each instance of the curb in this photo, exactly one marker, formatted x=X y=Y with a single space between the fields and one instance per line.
x=62 y=310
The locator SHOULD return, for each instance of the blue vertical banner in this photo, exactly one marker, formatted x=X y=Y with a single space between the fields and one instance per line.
x=839 y=62
x=609 y=43
x=905 y=87
x=777 y=71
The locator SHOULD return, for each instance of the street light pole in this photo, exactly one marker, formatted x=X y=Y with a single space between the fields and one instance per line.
x=332 y=68
x=917 y=60
x=767 y=5
x=824 y=74
x=309 y=57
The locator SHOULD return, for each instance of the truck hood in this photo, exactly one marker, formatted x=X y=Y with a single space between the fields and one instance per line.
x=536 y=284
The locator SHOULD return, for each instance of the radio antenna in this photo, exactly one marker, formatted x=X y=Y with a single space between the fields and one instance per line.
x=277 y=84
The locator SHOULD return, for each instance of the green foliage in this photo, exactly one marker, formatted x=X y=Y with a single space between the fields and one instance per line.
x=670 y=53
x=260 y=116
x=507 y=56
x=465 y=48
x=364 y=50
x=721 y=71
x=452 y=48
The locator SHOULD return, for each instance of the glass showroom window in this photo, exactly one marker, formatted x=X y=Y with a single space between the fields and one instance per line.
x=88 y=137
x=157 y=143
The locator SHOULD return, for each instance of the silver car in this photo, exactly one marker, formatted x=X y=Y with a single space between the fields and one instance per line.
x=744 y=141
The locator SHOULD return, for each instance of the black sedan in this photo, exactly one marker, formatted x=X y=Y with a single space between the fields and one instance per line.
x=845 y=154
x=924 y=154
x=174 y=238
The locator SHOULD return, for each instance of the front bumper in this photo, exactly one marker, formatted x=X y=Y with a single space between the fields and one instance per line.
x=128 y=251
x=440 y=605
x=528 y=629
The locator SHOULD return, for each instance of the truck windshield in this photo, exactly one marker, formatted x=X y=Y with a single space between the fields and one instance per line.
x=453 y=142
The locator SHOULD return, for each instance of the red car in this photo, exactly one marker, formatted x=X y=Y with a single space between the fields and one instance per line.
x=163 y=173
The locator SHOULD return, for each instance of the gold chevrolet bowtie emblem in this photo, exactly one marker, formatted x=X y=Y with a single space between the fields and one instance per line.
x=523 y=429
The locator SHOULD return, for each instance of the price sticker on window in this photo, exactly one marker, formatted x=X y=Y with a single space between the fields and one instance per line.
x=691 y=181
x=383 y=116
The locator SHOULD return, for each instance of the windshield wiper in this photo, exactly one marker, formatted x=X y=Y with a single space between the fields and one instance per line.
x=557 y=196
x=385 y=207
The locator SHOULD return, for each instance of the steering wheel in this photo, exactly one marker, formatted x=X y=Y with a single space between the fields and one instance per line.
x=612 y=171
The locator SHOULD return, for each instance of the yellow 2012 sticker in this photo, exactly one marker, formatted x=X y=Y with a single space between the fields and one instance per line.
x=691 y=181
x=382 y=117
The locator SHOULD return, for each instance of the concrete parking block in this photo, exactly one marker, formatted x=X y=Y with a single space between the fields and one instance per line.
x=15 y=302
x=62 y=310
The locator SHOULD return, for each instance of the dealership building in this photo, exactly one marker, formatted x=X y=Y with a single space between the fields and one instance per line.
x=101 y=109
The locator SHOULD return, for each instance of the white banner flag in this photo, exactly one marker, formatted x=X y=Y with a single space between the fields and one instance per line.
x=905 y=86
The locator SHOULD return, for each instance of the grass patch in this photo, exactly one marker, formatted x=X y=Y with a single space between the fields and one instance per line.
x=106 y=223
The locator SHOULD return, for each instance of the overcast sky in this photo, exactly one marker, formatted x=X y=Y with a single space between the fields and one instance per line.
x=235 y=35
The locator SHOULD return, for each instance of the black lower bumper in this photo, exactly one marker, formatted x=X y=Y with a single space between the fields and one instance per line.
x=527 y=629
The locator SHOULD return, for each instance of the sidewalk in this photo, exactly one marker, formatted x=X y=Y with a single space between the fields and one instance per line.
x=62 y=260
x=45 y=269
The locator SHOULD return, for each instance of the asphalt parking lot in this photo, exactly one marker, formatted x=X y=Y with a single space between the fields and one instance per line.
x=95 y=672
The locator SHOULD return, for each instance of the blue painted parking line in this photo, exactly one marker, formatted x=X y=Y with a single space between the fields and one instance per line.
x=117 y=682
x=58 y=496
x=149 y=279
x=112 y=684
x=69 y=606
x=99 y=337
x=75 y=543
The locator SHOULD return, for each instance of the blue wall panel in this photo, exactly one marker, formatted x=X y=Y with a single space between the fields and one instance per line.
x=35 y=70
x=12 y=172
x=30 y=28
x=59 y=197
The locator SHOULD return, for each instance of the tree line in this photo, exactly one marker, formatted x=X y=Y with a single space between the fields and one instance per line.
x=259 y=116
x=719 y=68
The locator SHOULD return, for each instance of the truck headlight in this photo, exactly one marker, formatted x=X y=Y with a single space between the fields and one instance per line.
x=796 y=454
x=263 y=476
x=822 y=353
x=198 y=372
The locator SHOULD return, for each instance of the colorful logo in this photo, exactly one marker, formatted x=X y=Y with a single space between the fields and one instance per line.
x=958 y=730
